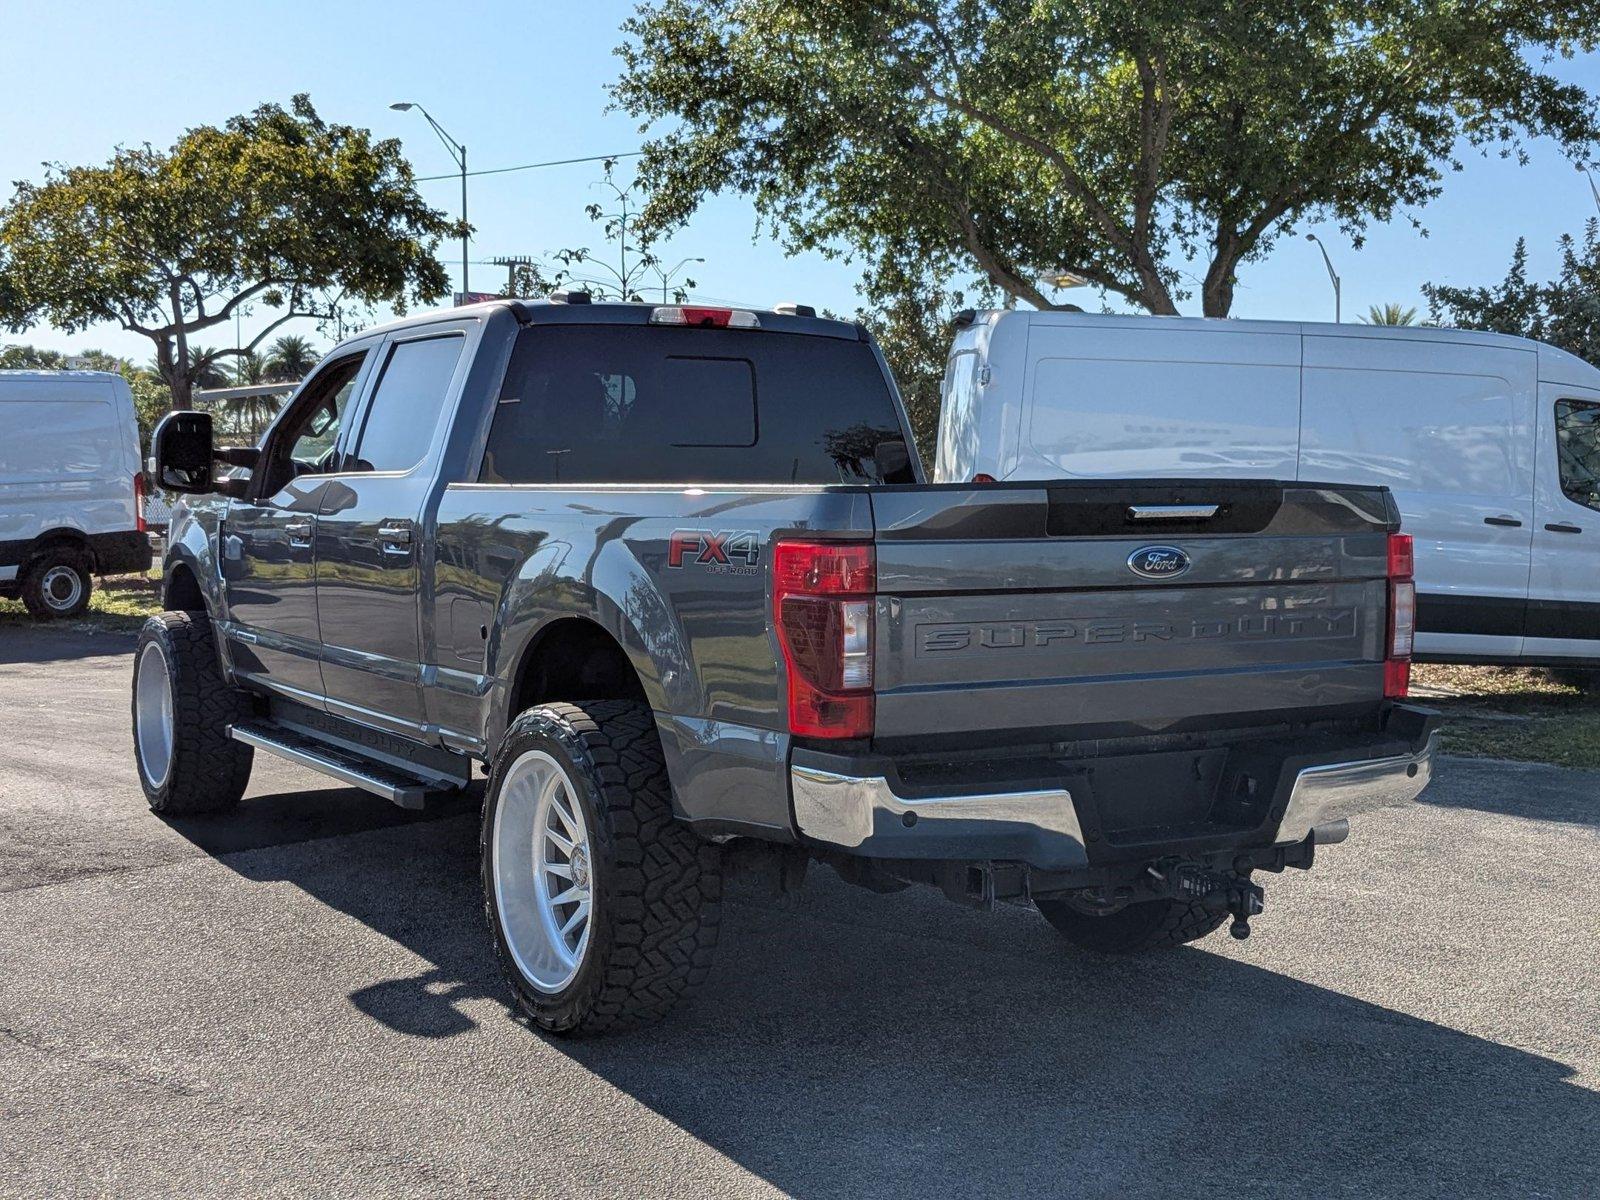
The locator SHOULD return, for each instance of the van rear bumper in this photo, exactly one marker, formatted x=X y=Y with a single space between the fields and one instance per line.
x=1258 y=794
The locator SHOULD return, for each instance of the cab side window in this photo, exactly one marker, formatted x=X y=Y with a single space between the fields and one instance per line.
x=304 y=445
x=406 y=404
x=1578 y=450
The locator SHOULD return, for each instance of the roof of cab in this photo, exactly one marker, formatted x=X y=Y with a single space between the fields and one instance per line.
x=552 y=312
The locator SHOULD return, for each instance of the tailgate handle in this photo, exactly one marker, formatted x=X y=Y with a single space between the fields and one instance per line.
x=1172 y=512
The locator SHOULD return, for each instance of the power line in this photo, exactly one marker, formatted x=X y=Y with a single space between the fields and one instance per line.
x=560 y=162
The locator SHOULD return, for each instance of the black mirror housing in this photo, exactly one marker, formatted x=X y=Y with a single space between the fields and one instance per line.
x=181 y=450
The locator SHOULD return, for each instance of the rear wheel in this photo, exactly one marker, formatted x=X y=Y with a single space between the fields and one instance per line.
x=604 y=908
x=1147 y=925
x=56 y=583
x=182 y=707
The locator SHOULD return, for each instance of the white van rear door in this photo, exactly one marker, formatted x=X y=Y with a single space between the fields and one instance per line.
x=1124 y=397
x=1449 y=427
x=1564 y=588
x=62 y=457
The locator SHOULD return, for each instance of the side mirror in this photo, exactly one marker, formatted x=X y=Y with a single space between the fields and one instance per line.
x=894 y=462
x=181 y=453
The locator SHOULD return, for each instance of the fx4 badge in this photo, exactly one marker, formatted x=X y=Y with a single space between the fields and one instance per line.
x=729 y=552
x=1158 y=562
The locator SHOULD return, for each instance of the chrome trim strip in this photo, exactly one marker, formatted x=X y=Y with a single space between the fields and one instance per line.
x=1326 y=794
x=1172 y=512
x=845 y=810
x=339 y=771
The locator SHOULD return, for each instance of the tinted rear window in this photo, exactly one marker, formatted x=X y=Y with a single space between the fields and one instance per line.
x=638 y=404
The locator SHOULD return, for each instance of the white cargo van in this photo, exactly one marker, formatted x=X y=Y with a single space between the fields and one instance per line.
x=71 y=492
x=1490 y=443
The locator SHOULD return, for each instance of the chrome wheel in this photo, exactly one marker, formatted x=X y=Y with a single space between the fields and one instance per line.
x=62 y=588
x=543 y=869
x=152 y=714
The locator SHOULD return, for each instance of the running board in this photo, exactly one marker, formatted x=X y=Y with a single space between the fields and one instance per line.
x=336 y=762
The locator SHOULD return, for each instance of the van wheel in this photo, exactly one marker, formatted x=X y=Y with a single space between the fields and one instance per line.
x=1147 y=925
x=182 y=707
x=604 y=908
x=57 y=583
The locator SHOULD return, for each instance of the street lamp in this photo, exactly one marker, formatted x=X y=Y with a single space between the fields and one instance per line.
x=1332 y=274
x=666 y=276
x=459 y=153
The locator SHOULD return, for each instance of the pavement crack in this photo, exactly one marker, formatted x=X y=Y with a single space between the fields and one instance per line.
x=113 y=1067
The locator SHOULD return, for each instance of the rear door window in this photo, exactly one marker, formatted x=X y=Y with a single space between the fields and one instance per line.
x=405 y=407
x=631 y=404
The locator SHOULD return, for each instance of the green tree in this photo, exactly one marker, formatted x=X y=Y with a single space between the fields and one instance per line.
x=1564 y=311
x=1129 y=143
x=277 y=208
x=290 y=359
x=1390 y=314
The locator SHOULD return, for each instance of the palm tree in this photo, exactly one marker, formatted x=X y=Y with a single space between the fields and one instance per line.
x=1389 y=314
x=205 y=358
x=249 y=369
x=289 y=359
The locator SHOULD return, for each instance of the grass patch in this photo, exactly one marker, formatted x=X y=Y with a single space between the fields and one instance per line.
x=118 y=602
x=1514 y=712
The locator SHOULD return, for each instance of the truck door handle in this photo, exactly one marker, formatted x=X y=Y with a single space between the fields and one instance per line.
x=396 y=539
x=299 y=534
x=1564 y=527
x=1508 y=522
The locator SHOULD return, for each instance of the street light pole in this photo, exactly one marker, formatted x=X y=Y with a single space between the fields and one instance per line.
x=1332 y=274
x=666 y=276
x=458 y=152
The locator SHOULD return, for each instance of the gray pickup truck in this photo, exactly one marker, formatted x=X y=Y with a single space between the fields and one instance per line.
x=673 y=576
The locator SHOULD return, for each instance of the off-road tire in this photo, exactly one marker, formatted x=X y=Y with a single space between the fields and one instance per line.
x=209 y=770
x=33 y=583
x=657 y=887
x=1147 y=925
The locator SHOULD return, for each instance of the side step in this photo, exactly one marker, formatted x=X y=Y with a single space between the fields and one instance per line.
x=406 y=790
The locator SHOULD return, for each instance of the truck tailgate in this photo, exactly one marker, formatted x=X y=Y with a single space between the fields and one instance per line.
x=1017 y=609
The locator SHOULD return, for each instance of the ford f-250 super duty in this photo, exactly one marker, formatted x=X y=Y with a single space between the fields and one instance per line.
x=673 y=575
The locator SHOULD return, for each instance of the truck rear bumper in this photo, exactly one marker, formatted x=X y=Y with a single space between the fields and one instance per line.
x=1061 y=824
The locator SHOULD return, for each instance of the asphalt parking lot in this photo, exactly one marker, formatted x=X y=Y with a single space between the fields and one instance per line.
x=300 y=999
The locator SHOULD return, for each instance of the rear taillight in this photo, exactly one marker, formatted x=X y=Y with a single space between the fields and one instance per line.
x=822 y=601
x=984 y=477
x=138 y=502
x=1402 y=617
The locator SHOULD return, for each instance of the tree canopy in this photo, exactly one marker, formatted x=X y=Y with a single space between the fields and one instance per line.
x=277 y=208
x=1564 y=311
x=995 y=140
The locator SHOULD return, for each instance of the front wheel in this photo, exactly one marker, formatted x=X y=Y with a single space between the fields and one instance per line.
x=182 y=707
x=1147 y=925
x=604 y=908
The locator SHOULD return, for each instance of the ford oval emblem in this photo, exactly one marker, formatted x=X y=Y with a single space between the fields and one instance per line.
x=1158 y=562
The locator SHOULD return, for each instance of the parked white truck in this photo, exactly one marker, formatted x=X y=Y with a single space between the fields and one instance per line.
x=1490 y=444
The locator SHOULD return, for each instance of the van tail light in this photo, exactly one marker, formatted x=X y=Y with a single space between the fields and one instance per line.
x=984 y=477
x=138 y=502
x=822 y=601
x=1402 y=618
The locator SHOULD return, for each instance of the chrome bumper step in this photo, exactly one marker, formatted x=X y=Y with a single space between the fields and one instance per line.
x=337 y=762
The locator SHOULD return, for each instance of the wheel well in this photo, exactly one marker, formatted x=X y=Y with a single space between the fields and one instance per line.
x=182 y=593
x=60 y=537
x=574 y=659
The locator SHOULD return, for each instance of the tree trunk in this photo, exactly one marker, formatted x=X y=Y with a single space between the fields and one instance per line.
x=1216 y=295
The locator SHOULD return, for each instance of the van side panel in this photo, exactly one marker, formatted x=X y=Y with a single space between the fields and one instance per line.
x=1179 y=399
x=66 y=459
x=1450 y=429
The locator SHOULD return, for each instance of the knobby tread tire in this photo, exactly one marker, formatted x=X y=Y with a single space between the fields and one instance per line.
x=210 y=770
x=1148 y=925
x=658 y=887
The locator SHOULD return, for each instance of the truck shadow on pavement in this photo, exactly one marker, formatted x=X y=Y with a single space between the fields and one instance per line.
x=863 y=1045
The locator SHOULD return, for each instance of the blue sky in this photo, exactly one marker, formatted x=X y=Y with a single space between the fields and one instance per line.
x=526 y=82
